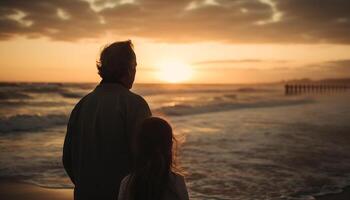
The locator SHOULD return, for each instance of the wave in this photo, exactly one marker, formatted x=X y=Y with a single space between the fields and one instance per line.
x=39 y=87
x=70 y=94
x=250 y=89
x=82 y=86
x=9 y=84
x=161 y=91
x=47 y=88
x=78 y=90
x=13 y=95
x=26 y=122
x=34 y=103
x=148 y=91
x=185 y=109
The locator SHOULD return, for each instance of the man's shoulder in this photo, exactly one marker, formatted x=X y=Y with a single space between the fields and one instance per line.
x=84 y=98
x=136 y=98
x=80 y=102
x=137 y=104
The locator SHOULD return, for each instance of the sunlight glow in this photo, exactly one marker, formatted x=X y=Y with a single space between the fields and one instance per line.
x=174 y=72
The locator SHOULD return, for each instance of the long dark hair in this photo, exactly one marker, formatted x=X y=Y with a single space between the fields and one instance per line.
x=154 y=160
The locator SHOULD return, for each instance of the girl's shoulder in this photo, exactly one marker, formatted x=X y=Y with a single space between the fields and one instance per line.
x=173 y=176
x=176 y=177
x=123 y=188
x=178 y=185
x=126 y=178
x=124 y=183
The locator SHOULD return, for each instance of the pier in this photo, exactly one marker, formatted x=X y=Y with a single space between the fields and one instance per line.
x=314 y=88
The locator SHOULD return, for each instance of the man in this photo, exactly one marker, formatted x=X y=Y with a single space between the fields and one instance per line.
x=98 y=144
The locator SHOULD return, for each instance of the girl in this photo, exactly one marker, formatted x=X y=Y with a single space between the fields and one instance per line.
x=153 y=176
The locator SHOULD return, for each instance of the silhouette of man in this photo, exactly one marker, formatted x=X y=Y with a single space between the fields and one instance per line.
x=97 y=148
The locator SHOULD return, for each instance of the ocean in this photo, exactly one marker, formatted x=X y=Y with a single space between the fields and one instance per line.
x=237 y=141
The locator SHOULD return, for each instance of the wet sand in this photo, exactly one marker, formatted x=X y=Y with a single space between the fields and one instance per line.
x=345 y=195
x=12 y=190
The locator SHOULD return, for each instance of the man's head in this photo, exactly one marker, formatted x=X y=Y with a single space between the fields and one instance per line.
x=118 y=63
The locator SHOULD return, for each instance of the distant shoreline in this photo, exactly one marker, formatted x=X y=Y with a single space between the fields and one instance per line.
x=344 y=80
x=155 y=83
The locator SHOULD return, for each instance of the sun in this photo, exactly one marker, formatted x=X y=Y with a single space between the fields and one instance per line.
x=174 y=72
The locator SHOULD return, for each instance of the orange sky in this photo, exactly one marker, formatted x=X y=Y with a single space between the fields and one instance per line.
x=43 y=60
x=198 y=41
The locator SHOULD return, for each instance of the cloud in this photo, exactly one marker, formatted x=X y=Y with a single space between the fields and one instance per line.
x=341 y=67
x=331 y=68
x=317 y=70
x=230 y=21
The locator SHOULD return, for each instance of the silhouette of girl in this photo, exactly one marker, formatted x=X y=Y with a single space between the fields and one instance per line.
x=154 y=176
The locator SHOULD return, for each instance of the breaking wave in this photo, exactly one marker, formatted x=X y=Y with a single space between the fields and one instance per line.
x=13 y=95
x=25 y=122
x=197 y=89
x=70 y=94
x=185 y=109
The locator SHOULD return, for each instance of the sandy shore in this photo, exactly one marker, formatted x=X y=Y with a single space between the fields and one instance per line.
x=345 y=195
x=12 y=190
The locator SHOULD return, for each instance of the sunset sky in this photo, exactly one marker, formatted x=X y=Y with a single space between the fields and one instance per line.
x=196 y=41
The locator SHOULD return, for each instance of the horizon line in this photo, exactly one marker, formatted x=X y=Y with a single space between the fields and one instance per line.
x=182 y=83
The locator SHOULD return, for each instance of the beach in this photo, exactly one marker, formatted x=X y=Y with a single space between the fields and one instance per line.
x=14 y=190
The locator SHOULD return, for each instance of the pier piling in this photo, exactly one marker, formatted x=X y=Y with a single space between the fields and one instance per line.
x=314 y=88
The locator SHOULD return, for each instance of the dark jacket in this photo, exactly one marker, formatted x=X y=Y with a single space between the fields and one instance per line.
x=97 y=147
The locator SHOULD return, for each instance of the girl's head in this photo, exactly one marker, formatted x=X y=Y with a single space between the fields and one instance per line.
x=154 y=160
x=154 y=143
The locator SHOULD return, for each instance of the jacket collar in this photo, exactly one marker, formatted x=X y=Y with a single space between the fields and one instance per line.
x=110 y=84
